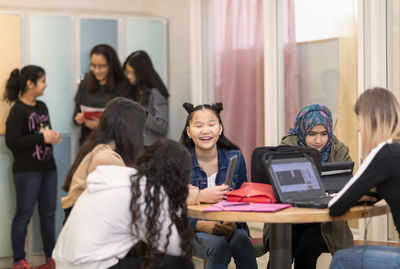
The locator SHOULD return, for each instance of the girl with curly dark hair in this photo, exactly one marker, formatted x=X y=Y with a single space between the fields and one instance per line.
x=124 y=207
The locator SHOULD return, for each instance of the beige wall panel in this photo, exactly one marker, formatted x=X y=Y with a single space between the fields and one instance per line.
x=10 y=55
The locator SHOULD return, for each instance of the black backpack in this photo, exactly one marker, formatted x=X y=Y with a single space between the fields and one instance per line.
x=258 y=172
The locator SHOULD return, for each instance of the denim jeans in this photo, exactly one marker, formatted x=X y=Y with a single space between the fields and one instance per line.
x=366 y=257
x=218 y=250
x=31 y=187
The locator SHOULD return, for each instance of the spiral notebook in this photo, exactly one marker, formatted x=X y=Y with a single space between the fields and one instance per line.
x=246 y=207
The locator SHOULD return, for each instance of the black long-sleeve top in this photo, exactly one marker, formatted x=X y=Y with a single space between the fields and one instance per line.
x=97 y=99
x=381 y=169
x=25 y=139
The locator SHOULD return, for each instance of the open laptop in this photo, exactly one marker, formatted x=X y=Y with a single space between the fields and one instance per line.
x=296 y=181
x=335 y=175
x=230 y=171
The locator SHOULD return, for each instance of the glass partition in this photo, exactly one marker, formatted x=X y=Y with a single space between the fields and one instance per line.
x=49 y=46
x=393 y=65
x=319 y=43
x=318 y=40
x=93 y=32
x=149 y=35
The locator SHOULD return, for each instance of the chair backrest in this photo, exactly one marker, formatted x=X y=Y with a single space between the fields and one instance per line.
x=258 y=172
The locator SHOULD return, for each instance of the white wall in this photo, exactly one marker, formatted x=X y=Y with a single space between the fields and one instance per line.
x=129 y=6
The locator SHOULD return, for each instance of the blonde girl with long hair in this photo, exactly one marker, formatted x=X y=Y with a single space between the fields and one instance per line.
x=378 y=113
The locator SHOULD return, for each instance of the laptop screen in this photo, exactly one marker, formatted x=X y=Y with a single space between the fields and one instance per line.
x=295 y=178
x=336 y=168
x=336 y=174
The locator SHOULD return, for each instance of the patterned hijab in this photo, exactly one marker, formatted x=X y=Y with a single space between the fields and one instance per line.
x=306 y=119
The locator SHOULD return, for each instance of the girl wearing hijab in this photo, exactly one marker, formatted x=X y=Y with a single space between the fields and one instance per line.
x=313 y=128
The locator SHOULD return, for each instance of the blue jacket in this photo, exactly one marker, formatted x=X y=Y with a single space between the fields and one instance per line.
x=199 y=177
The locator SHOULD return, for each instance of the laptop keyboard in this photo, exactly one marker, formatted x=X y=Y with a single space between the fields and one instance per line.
x=319 y=202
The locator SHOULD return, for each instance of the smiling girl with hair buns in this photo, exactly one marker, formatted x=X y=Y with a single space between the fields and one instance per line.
x=204 y=136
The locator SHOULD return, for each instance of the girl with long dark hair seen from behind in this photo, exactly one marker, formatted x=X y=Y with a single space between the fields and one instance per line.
x=101 y=84
x=30 y=137
x=147 y=88
x=124 y=207
x=117 y=140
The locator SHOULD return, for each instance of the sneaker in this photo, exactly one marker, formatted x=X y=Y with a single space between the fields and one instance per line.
x=50 y=264
x=21 y=264
x=50 y=261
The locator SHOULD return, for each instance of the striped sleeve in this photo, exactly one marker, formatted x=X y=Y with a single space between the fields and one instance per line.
x=369 y=175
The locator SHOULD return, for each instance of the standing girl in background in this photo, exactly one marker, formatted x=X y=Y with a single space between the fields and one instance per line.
x=30 y=138
x=100 y=85
x=211 y=150
x=117 y=140
x=147 y=88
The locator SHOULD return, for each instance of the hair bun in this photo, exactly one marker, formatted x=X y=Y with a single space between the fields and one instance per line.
x=188 y=107
x=218 y=106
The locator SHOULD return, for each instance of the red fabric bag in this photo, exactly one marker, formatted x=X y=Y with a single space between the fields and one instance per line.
x=253 y=193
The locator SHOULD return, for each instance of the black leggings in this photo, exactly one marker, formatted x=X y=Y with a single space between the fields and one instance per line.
x=307 y=245
x=169 y=262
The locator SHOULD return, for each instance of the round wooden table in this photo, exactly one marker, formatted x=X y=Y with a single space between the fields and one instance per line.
x=281 y=221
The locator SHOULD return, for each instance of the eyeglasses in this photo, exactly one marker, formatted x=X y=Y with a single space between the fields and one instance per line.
x=129 y=74
x=100 y=67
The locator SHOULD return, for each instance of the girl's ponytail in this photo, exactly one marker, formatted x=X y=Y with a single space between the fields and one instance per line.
x=13 y=87
x=16 y=83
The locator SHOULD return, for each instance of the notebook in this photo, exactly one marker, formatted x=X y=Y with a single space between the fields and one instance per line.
x=296 y=181
x=249 y=207
x=335 y=175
